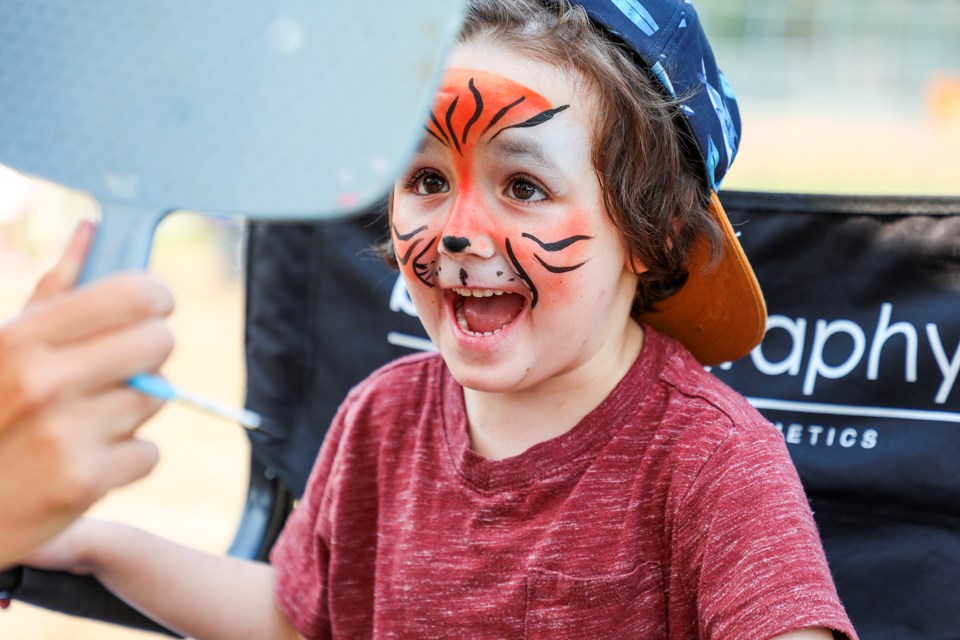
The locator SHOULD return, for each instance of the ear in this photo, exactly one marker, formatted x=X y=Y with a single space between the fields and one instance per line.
x=634 y=265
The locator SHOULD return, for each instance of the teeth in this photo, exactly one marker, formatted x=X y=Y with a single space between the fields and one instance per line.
x=479 y=293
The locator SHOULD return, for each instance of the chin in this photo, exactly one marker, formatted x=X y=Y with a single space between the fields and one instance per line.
x=488 y=378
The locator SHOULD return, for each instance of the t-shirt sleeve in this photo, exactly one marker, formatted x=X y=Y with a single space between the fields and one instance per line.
x=748 y=547
x=300 y=556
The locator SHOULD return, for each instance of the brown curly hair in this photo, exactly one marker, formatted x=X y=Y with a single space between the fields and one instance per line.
x=652 y=188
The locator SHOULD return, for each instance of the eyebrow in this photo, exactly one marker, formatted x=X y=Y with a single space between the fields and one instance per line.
x=516 y=145
x=429 y=139
x=522 y=148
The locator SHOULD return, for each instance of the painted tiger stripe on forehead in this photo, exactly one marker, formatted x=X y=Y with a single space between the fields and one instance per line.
x=478 y=100
x=540 y=118
x=442 y=137
x=503 y=112
x=512 y=105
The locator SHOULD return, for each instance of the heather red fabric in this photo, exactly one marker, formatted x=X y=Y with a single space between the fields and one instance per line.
x=671 y=511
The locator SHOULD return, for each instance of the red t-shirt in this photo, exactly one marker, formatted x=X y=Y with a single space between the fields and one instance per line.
x=671 y=511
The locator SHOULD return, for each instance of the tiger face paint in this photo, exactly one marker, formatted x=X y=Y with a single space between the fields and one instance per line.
x=465 y=116
x=499 y=226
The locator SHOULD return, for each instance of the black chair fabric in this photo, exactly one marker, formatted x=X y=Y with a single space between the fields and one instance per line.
x=318 y=316
x=859 y=369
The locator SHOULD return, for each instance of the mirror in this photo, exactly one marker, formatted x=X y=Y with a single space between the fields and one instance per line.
x=282 y=109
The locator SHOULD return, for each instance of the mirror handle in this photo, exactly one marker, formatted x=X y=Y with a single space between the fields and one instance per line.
x=122 y=241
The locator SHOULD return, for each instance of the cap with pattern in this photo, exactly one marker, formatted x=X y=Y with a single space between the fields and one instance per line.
x=719 y=314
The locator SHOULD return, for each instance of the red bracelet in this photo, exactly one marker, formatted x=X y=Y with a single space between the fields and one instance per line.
x=9 y=581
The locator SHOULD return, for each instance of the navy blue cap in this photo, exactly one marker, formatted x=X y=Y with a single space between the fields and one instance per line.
x=667 y=36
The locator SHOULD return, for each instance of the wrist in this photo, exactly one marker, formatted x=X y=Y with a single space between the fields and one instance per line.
x=92 y=545
x=104 y=547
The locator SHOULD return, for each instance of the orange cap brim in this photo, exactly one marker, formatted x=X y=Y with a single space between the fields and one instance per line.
x=719 y=314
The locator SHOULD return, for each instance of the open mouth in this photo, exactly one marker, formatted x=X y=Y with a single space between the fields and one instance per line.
x=486 y=312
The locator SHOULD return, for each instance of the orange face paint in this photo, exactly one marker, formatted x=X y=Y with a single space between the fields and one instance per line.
x=475 y=107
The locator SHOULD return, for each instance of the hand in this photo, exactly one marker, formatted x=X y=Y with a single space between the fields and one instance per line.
x=67 y=417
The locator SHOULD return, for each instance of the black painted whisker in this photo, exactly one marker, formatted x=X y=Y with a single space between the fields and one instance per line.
x=406 y=256
x=407 y=236
x=559 y=244
x=553 y=269
x=419 y=268
x=523 y=274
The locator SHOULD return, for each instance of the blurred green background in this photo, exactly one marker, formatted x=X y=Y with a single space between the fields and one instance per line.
x=843 y=96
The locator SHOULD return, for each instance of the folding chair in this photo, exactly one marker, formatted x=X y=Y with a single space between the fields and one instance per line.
x=859 y=370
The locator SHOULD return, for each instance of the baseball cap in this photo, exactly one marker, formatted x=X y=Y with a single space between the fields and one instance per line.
x=719 y=314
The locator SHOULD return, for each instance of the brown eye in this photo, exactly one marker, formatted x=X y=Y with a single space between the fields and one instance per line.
x=431 y=183
x=525 y=190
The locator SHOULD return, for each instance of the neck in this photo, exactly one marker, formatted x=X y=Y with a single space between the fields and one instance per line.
x=507 y=424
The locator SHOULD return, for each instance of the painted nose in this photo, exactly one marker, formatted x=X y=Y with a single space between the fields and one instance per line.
x=455 y=244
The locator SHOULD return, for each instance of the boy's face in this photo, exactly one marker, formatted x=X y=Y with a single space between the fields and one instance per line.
x=516 y=271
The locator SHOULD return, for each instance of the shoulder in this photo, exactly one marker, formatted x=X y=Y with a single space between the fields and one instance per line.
x=705 y=429
x=739 y=501
x=698 y=399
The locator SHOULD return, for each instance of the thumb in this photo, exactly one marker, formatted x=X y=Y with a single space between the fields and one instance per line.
x=63 y=275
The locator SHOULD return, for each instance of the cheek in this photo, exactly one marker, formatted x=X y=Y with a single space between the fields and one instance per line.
x=419 y=262
x=423 y=298
x=415 y=248
x=559 y=257
x=568 y=290
x=428 y=304
x=577 y=226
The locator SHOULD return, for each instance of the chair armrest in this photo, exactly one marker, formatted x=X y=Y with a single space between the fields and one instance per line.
x=269 y=502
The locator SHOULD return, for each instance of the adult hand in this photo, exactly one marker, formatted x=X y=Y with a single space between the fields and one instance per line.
x=67 y=418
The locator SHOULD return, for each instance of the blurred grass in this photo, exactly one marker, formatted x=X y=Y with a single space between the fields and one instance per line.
x=823 y=152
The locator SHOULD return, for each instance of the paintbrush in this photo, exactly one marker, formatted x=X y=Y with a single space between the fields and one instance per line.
x=159 y=388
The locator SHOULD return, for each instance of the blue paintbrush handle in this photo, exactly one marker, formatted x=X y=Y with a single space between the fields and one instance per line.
x=153 y=386
x=159 y=388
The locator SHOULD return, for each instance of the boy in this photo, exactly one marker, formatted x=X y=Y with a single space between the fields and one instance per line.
x=559 y=470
